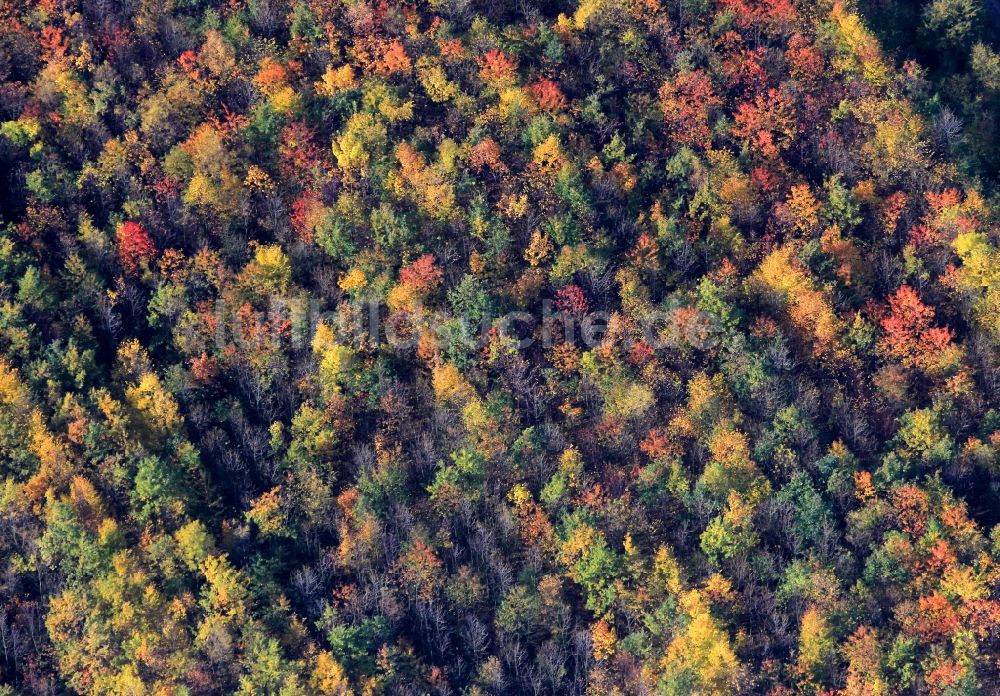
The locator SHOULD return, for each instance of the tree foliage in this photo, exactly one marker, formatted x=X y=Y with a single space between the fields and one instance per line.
x=573 y=347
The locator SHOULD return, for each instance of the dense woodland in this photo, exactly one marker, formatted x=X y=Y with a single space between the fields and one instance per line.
x=956 y=44
x=775 y=469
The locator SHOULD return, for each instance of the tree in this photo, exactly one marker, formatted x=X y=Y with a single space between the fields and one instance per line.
x=817 y=647
x=155 y=411
x=687 y=102
x=699 y=658
x=421 y=570
x=909 y=335
x=953 y=23
x=769 y=123
x=135 y=246
x=865 y=673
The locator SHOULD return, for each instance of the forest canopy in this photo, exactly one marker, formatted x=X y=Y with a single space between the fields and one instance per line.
x=597 y=347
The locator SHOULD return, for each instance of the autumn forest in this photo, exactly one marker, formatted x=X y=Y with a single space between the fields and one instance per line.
x=467 y=348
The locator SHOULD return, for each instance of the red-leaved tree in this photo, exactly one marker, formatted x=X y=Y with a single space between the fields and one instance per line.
x=135 y=246
x=909 y=335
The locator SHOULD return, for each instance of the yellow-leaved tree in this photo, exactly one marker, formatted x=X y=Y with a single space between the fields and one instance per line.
x=700 y=658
